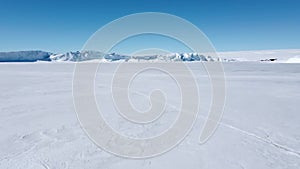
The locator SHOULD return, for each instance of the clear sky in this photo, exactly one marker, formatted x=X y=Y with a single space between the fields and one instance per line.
x=61 y=26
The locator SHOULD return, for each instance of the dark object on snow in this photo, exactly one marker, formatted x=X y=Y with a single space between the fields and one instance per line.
x=268 y=60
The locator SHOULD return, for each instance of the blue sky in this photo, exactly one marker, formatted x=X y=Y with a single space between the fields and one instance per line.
x=231 y=25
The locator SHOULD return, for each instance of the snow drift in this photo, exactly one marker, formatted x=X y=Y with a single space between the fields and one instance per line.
x=294 y=60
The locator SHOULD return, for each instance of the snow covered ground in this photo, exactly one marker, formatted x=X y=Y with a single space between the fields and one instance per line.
x=282 y=55
x=259 y=129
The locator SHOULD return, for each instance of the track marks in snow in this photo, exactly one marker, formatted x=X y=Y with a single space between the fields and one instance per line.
x=264 y=140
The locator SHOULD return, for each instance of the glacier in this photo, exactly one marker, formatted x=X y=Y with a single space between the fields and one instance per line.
x=25 y=56
x=78 y=56
x=279 y=56
x=92 y=55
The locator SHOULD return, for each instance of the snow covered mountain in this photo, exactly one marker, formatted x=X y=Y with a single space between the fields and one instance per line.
x=90 y=55
x=32 y=56
x=77 y=56
x=283 y=56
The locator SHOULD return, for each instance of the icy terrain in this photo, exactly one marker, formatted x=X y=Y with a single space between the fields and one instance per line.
x=283 y=56
x=33 y=56
x=24 y=56
x=259 y=129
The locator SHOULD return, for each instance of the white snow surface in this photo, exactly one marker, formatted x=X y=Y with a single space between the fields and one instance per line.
x=294 y=60
x=259 y=129
x=256 y=55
